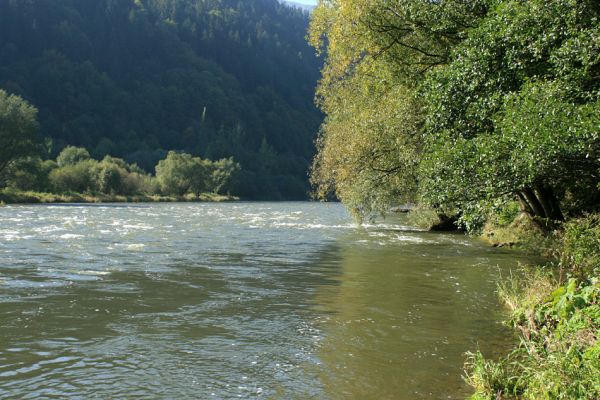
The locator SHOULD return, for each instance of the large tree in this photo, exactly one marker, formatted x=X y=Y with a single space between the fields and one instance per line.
x=515 y=112
x=459 y=104
x=377 y=54
x=18 y=129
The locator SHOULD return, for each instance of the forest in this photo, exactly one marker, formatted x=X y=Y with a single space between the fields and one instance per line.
x=486 y=113
x=135 y=79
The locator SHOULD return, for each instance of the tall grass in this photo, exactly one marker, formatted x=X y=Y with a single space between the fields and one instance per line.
x=557 y=314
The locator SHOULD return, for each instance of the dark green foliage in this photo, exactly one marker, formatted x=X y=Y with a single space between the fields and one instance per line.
x=109 y=177
x=180 y=173
x=581 y=246
x=30 y=173
x=78 y=177
x=174 y=172
x=506 y=105
x=220 y=173
x=18 y=129
x=76 y=173
x=515 y=110
x=138 y=78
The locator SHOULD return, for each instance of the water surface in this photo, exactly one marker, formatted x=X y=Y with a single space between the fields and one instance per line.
x=238 y=300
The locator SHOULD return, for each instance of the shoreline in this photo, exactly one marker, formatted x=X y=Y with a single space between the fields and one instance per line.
x=11 y=197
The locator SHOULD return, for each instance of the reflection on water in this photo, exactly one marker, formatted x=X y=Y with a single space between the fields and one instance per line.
x=239 y=300
x=402 y=316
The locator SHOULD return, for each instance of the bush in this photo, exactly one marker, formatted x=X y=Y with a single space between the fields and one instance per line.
x=559 y=353
x=138 y=183
x=30 y=173
x=78 y=177
x=581 y=246
x=109 y=177
x=76 y=173
x=180 y=173
x=72 y=155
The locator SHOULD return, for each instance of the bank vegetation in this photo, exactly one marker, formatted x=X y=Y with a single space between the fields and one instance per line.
x=486 y=114
x=74 y=176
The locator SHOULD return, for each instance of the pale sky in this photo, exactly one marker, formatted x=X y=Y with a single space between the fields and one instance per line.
x=310 y=2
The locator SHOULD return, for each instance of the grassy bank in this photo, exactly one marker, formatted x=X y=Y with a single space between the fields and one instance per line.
x=10 y=196
x=555 y=310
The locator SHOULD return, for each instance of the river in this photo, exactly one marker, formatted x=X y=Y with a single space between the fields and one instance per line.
x=239 y=300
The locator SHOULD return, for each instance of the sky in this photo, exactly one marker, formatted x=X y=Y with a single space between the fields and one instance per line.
x=309 y=2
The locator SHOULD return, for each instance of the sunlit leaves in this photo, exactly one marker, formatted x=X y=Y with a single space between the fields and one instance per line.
x=377 y=53
x=517 y=106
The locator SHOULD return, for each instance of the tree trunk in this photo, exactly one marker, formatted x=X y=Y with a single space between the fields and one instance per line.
x=534 y=203
x=525 y=207
x=550 y=203
x=541 y=204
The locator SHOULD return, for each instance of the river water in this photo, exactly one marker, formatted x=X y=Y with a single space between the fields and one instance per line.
x=239 y=300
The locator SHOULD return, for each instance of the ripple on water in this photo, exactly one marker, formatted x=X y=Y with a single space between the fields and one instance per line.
x=250 y=300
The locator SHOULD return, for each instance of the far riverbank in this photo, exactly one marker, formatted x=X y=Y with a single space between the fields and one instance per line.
x=8 y=196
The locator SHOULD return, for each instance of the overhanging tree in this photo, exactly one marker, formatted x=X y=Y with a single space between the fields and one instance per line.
x=515 y=111
x=378 y=53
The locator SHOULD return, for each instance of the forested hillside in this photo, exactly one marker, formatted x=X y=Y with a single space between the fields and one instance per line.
x=137 y=78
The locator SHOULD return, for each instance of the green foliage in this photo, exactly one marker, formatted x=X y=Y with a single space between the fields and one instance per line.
x=378 y=53
x=30 y=173
x=71 y=155
x=221 y=172
x=507 y=213
x=507 y=105
x=181 y=173
x=173 y=173
x=78 y=173
x=506 y=116
x=135 y=79
x=489 y=379
x=79 y=177
x=109 y=177
x=581 y=246
x=559 y=353
x=423 y=218
x=500 y=213
x=18 y=129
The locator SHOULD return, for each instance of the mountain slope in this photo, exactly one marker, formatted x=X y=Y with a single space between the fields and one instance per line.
x=135 y=78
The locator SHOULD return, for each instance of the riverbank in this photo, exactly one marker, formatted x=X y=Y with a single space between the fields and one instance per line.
x=555 y=309
x=9 y=196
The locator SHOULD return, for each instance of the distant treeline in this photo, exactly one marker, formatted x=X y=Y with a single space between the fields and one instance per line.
x=137 y=78
x=75 y=171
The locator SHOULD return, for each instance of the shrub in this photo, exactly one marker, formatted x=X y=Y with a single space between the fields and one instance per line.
x=72 y=155
x=30 y=173
x=78 y=177
x=581 y=246
x=559 y=353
